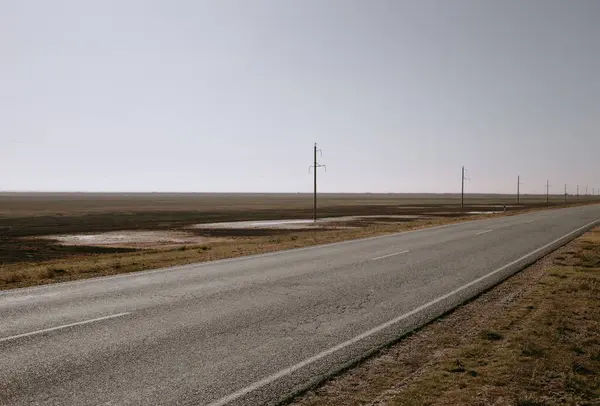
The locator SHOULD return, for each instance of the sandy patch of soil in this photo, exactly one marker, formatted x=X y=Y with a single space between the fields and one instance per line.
x=133 y=239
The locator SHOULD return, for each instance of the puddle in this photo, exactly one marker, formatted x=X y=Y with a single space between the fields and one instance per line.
x=282 y=224
x=133 y=239
x=301 y=224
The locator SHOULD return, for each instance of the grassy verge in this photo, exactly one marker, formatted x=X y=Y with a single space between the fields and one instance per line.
x=533 y=340
x=86 y=266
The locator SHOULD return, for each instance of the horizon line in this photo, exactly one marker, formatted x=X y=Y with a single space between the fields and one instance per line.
x=277 y=193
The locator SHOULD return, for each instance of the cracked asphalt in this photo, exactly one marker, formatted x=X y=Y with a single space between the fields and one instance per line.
x=253 y=330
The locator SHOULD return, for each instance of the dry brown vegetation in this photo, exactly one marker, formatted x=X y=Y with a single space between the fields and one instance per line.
x=533 y=340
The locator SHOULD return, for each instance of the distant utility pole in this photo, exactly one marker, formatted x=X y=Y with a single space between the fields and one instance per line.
x=462 y=189
x=518 y=188
x=565 y=193
x=547 y=191
x=577 y=192
x=315 y=167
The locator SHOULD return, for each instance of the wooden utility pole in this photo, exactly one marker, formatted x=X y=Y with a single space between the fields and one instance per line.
x=315 y=167
x=518 y=189
x=315 y=189
x=565 y=193
x=547 y=191
x=462 y=189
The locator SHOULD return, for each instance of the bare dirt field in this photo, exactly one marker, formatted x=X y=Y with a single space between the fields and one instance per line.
x=51 y=237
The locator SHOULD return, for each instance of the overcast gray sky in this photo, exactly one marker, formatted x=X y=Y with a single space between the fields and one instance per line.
x=229 y=96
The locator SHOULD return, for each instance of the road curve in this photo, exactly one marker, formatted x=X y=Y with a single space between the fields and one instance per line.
x=253 y=330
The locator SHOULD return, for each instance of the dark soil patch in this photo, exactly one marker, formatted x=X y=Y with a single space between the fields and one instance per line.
x=15 y=250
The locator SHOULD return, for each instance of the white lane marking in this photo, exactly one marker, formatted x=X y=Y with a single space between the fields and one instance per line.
x=390 y=255
x=529 y=222
x=79 y=323
x=483 y=232
x=272 y=378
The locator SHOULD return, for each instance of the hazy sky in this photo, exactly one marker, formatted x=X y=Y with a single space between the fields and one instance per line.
x=223 y=95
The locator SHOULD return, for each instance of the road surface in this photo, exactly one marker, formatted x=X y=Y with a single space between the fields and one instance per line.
x=253 y=330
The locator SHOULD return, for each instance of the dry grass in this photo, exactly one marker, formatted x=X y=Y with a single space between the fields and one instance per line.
x=533 y=340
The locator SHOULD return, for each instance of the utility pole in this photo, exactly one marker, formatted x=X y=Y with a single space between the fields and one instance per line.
x=577 y=192
x=315 y=167
x=547 y=191
x=518 y=188
x=565 y=193
x=315 y=186
x=462 y=189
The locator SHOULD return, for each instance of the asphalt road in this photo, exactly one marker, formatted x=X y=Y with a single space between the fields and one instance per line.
x=250 y=331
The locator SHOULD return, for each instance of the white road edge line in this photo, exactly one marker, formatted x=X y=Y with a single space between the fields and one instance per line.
x=79 y=323
x=390 y=255
x=272 y=378
x=483 y=232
